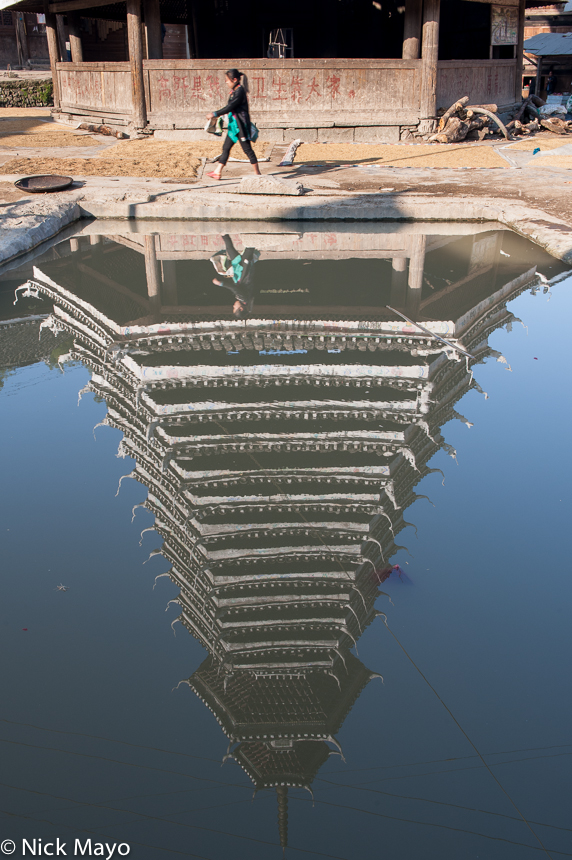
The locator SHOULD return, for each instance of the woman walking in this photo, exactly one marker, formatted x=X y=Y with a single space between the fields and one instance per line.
x=238 y=126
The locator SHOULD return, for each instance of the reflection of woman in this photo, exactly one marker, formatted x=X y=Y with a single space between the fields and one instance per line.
x=238 y=125
x=237 y=267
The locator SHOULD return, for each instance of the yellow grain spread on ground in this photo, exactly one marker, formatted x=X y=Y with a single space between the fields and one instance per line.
x=552 y=161
x=553 y=141
x=32 y=111
x=447 y=155
x=31 y=131
x=152 y=158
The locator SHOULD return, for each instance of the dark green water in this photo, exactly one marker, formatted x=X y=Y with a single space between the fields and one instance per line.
x=377 y=596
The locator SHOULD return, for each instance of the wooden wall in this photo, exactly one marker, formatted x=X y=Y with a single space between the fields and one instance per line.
x=98 y=87
x=287 y=93
x=484 y=81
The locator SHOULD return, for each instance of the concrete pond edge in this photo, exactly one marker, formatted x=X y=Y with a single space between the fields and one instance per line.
x=28 y=224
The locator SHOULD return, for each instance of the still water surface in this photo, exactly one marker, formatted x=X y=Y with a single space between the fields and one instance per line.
x=365 y=532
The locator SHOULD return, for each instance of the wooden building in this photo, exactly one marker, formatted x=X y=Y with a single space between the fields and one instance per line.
x=23 y=39
x=334 y=70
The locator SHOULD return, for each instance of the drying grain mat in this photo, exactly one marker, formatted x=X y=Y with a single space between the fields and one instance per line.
x=38 y=132
x=38 y=112
x=151 y=158
x=551 y=161
x=543 y=143
x=408 y=155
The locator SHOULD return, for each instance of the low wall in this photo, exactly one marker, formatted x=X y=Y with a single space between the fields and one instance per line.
x=22 y=93
x=321 y=99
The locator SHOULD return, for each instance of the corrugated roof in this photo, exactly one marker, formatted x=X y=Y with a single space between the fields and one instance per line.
x=549 y=44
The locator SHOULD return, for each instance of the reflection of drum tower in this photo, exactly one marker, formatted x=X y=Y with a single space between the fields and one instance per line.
x=278 y=484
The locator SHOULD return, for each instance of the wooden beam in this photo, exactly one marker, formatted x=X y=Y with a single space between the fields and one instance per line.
x=417 y=244
x=75 y=38
x=398 y=282
x=412 y=29
x=153 y=27
x=538 y=84
x=429 y=56
x=62 y=38
x=169 y=276
x=21 y=39
x=192 y=32
x=53 y=50
x=65 y=6
x=136 y=62
x=152 y=271
x=519 y=52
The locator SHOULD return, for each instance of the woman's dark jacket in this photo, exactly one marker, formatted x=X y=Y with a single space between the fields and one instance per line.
x=238 y=105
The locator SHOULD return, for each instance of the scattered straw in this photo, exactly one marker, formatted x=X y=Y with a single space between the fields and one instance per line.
x=552 y=161
x=401 y=156
x=542 y=143
x=30 y=131
x=32 y=111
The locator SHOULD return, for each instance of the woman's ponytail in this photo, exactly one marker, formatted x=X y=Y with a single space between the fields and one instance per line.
x=235 y=75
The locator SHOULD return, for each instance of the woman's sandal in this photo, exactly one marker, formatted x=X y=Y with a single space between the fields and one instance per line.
x=214 y=175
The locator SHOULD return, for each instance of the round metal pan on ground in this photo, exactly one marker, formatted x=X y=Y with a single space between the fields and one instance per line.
x=42 y=183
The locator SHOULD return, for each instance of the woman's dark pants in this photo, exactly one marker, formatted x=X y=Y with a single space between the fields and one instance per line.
x=227 y=146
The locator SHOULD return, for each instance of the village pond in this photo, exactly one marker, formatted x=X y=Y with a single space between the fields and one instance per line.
x=297 y=579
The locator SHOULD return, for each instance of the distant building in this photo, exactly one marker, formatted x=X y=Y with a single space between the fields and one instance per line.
x=540 y=20
x=23 y=39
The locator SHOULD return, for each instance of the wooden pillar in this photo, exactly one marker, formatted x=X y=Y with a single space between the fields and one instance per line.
x=430 y=56
x=519 y=51
x=538 y=86
x=152 y=271
x=62 y=38
x=74 y=245
x=169 y=274
x=153 y=27
x=417 y=245
x=192 y=33
x=412 y=29
x=75 y=37
x=21 y=39
x=136 y=61
x=398 y=282
x=53 y=50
